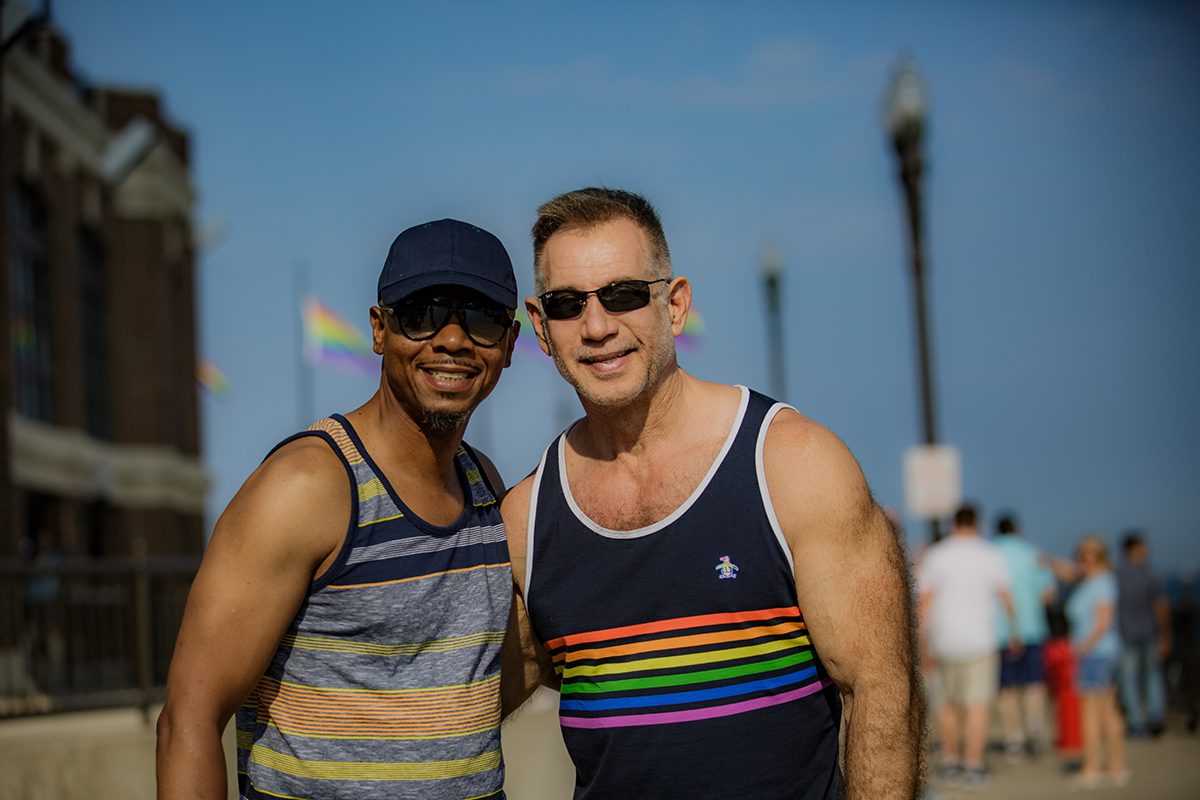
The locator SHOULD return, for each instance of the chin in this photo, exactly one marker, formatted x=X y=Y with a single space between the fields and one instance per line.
x=444 y=421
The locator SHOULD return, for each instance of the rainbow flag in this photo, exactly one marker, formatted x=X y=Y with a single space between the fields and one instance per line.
x=329 y=339
x=211 y=378
x=693 y=330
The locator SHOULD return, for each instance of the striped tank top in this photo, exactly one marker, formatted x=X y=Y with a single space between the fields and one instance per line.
x=686 y=667
x=386 y=683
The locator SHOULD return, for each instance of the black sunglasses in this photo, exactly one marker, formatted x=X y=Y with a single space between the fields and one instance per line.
x=617 y=296
x=420 y=318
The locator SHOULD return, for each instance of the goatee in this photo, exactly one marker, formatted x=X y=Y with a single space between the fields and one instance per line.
x=444 y=421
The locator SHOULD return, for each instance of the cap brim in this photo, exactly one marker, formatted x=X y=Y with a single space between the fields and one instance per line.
x=395 y=292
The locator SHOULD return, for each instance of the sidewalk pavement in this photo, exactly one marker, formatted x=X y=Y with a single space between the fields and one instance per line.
x=98 y=755
x=1167 y=768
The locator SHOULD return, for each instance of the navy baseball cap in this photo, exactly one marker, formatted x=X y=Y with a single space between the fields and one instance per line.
x=447 y=252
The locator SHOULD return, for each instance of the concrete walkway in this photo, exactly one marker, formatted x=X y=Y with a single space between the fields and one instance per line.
x=110 y=754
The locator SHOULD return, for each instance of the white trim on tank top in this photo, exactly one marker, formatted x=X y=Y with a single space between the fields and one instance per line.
x=768 y=506
x=533 y=498
x=653 y=527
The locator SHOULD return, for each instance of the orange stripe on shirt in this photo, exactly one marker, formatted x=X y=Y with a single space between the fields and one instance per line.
x=677 y=642
x=670 y=625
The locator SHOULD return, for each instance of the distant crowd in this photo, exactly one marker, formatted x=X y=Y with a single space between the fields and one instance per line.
x=1007 y=626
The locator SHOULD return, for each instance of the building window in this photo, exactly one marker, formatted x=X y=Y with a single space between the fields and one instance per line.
x=29 y=293
x=97 y=411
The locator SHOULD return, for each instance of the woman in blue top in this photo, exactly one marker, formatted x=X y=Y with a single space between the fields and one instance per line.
x=1091 y=613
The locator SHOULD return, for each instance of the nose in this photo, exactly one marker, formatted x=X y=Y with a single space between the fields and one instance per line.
x=598 y=324
x=452 y=338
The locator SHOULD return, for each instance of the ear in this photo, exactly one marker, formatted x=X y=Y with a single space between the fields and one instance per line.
x=538 y=322
x=679 y=303
x=513 y=332
x=378 y=329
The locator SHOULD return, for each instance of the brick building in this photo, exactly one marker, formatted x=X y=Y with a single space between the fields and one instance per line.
x=99 y=431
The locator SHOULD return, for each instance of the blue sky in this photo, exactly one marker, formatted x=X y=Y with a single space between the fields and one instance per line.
x=1064 y=191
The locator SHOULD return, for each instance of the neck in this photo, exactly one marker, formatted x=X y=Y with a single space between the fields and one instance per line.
x=609 y=431
x=393 y=431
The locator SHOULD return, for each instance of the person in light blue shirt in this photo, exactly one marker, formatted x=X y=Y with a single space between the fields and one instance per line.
x=1023 y=672
x=1091 y=614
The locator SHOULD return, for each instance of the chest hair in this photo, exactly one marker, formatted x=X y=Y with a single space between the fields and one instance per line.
x=624 y=496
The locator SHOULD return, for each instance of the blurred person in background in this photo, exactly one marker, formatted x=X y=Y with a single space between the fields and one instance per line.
x=1022 y=701
x=1091 y=614
x=1060 y=681
x=1144 y=623
x=1187 y=646
x=669 y=539
x=961 y=583
x=355 y=593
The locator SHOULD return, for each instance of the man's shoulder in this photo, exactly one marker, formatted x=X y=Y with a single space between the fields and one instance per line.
x=798 y=436
x=305 y=472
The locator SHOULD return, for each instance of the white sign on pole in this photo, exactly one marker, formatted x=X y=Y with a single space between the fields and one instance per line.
x=932 y=480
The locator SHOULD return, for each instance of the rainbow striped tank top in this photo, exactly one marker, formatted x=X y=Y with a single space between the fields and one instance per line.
x=386 y=683
x=686 y=667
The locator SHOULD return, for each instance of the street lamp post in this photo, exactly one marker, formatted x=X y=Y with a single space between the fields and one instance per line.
x=904 y=115
x=772 y=272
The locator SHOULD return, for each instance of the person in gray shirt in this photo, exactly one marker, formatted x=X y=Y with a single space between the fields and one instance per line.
x=1144 y=621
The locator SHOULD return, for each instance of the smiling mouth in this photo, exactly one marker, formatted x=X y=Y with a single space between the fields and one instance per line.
x=600 y=359
x=449 y=372
x=449 y=376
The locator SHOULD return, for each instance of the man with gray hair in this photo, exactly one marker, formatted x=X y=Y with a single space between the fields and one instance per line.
x=669 y=539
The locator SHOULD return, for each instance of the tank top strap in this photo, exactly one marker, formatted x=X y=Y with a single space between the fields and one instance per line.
x=739 y=462
x=483 y=494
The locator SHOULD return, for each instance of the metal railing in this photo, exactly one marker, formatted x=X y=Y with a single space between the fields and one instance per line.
x=79 y=634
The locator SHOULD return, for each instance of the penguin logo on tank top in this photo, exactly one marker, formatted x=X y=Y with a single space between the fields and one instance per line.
x=726 y=569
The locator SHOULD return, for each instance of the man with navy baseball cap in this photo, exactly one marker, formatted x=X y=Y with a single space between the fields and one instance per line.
x=354 y=596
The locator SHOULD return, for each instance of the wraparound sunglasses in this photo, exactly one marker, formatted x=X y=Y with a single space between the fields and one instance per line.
x=421 y=318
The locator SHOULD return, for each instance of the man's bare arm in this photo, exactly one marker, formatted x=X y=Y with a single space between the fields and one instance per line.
x=283 y=528
x=525 y=664
x=855 y=592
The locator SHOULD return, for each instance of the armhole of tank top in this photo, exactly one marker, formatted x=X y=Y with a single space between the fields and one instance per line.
x=764 y=491
x=352 y=526
x=533 y=502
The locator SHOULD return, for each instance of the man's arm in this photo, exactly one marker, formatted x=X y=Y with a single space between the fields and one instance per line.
x=1015 y=645
x=284 y=527
x=854 y=588
x=525 y=665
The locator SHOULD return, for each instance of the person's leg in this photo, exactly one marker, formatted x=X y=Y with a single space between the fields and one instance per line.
x=1130 y=675
x=1089 y=712
x=975 y=737
x=947 y=723
x=981 y=680
x=1034 y=697
x=1008 y=705
x=1156 y=694
x=1114 y=732
x=947 y=716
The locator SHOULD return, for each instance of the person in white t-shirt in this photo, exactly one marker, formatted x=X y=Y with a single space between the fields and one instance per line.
x=961 y=580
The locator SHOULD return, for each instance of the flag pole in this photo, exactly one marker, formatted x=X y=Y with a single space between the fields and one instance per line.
x=304 y=376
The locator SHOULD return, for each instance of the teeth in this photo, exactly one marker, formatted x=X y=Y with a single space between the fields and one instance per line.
x=449 y=376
